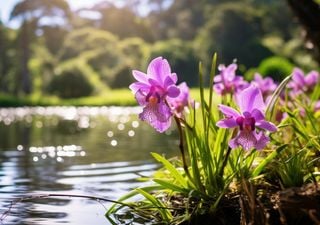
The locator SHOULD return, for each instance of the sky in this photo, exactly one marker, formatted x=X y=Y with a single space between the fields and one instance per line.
x=7 y=5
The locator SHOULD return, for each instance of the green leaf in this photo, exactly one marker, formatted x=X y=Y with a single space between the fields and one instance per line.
x=173 y=171
x=275 y=96
x=165 y=213
x=132 y=193
x=169 y=185
x=268 y=159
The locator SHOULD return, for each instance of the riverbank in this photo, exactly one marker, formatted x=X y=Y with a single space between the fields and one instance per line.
x=117 y=97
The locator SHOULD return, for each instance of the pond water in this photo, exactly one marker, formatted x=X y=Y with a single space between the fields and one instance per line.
x=96 y=151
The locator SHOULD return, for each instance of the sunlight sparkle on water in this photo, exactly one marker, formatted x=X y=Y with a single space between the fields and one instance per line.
x=131 y=133
x=114 y=143
x=58 y=152
x=110 y=133
x=135 y=124
x=121 y=126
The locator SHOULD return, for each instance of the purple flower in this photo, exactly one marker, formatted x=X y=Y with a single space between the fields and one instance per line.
x=301 y=83
x=227 y=81
x=250 y=117
x=266 y=85
x=152 y=90
x=179 y=103
x=317 y=106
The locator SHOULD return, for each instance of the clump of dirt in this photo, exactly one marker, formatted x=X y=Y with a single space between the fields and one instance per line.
x=256 y=206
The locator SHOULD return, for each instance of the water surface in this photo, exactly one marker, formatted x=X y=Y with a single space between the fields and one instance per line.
x=97 y=151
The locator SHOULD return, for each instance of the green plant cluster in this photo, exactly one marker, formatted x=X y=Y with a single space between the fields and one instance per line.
x=210 y=180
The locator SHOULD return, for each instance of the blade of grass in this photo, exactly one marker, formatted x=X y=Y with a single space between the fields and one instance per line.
x=257 y=171
x=169 y=185
x=173 y=171
x=165 y=213
x=132 y=193
x=275 y=96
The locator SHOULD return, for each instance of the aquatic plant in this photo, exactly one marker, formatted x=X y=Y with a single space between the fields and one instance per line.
x=272 y=142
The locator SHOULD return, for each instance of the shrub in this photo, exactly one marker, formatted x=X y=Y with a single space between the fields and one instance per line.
x=122 y=78
x=276 y=67
x=86 y=39
x=233 y=31
x=136 y=51
x=70 y=83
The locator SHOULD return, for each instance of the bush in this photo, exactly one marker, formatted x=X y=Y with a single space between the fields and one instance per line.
x=276 y=67
x=86 y=39
x=122 y=77
x=233 y=31
x=70 y=83
x=137 y=52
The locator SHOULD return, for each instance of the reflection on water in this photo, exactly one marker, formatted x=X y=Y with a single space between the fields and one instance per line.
x=99 y=151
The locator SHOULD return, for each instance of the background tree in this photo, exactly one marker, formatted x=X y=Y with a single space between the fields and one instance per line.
x=30 y=12
x=308 y=13
x=234 y=31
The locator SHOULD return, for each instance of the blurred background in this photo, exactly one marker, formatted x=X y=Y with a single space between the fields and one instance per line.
x=76 y=48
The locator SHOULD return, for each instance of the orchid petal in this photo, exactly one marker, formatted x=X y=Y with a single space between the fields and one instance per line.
x=262 y=140
x=174 y=77
x=250 y=98
x=228 y=111
x=229 y=72
x=266 y=125
x=157 y=115
x=298 y=76
x=158 y=69
x=257 y=114
x=312 y=78
x=217 y=78
x=141 y=98
x=245 y=139
x=139 y=86
x=168 y=82
x=153 y=82
x=218 y=88
x=173 y=91
x=227 y=123
x=140 y=76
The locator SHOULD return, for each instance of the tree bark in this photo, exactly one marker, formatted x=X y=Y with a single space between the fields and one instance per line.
x=308 y=13
x=25 y=48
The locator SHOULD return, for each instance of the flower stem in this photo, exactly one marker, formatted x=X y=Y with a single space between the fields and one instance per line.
x=224 y=163
x=181 y=147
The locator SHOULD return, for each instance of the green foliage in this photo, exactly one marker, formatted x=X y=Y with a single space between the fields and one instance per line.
x=209 y=171
x=294 y=50
x=182 y=31
x=276 y=67
x=42 y=66
x=71 y=83
x=53 y=37
x=234 y=32
x=85 y=39
x=136 y=51
x=8 y=59
x=130 y=25
x=122 y=77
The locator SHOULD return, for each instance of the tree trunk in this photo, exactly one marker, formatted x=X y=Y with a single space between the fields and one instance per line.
x=25 y=48
x=308 y=13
